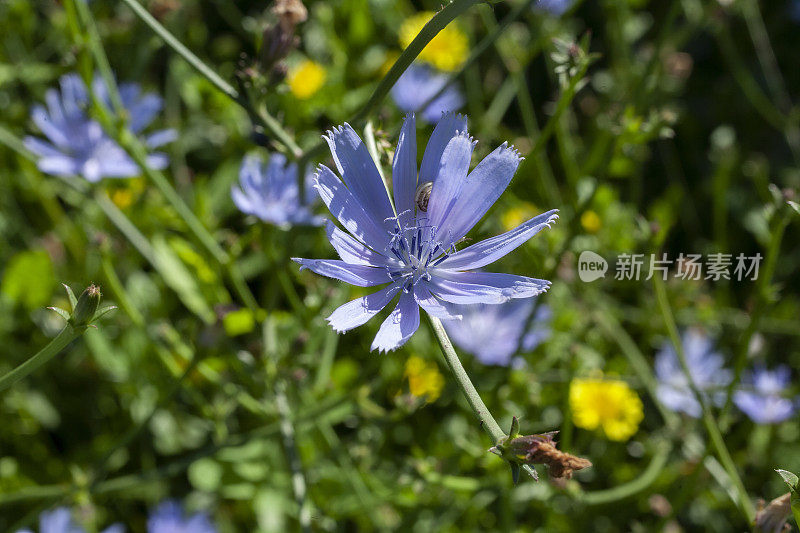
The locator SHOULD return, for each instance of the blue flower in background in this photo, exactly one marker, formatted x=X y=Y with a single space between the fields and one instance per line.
x=763 y=396
x=170 y=518
x=271 y=193
x=554 y=7
x=414 y=251
x=418 y=84
x=492 y=332
x=60 y=521
x=78 y=145
x=705 y=367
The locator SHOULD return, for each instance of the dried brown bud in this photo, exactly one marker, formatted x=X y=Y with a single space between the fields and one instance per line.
x=540 y=449
x=773 y=517
x=279 y=38
x=290 y=11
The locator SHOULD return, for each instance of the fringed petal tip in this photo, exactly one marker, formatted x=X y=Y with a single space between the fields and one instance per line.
x=458 y=116
x=466 y=135
x=336 y=130
x=334 y=327
x=511 y=148
x=300 y=261
x=551 y=219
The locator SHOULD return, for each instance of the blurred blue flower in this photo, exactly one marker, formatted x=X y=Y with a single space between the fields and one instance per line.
x=491 y=332
x=78 y=145
x=270 y=192
x=554 y=7
x=763 y=397
x=60 y=521
x=170 y=518
x=705 y=368
x=414 y=251
x=418 y=84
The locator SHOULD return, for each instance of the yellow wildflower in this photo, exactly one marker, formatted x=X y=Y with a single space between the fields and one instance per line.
x=124 y=193
x=608 y=404
x=424 y=378
x=590 y=221
x=306 y=79
x=517 y=215
x=447 y=51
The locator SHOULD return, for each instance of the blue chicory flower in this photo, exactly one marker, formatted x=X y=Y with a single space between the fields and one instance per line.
x=418 y=84
x=553 y=7
x=413 y=251
x=271 y=193
x=169 y=517
x=705 y=368
x=78 y=145
x=492 y=332
x=764 y=398
x=59 y=520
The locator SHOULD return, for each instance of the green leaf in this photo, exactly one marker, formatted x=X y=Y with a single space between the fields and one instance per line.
x=790 y=479
x=73 y=301
x=29 y=279
x=102 y=312
x=178 y=277
x=62 y=312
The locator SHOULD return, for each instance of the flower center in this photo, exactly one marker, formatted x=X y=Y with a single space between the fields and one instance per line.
x=417 y=251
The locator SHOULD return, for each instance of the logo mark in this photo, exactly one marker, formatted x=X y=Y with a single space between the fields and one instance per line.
x=591 y=266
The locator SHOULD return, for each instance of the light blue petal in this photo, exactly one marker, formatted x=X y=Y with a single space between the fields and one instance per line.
x=359 y=275
x=143 y=111
x=480 y=191
x=40 y=147
x=490 y=250
x=357 y=312
x=447 y=128
x=58 y=165
x=399 y=325
x=434 y=306
x=404 y=166
x=465 y=293
x=349 y=211
x=49 y=127
x=160 y=138
x=502 y=286
x=351 y=251
x=359 y=172
x=450 y=179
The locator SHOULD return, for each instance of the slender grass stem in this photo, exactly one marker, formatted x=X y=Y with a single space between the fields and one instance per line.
x=488 y=423
x=710 y=423
x=761 y=303
x=53 y=348
x=139 y=154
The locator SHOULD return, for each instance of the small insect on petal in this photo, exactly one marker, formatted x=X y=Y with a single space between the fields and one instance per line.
x=423 y=195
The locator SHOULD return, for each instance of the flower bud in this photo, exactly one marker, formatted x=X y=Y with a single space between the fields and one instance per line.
x=86 y=307
x=538 y=449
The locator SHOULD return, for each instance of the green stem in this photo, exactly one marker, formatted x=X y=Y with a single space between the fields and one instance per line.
x=260 y=114
x=134 y=147
x=67 y=335
x=488 y=423
x=640 y=483
x=292 y=455
x=712 y=428
x=762 y=300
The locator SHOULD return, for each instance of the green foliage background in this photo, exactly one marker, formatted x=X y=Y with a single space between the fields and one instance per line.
x=674 y=143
